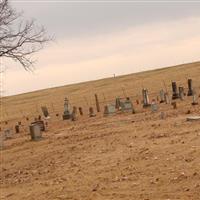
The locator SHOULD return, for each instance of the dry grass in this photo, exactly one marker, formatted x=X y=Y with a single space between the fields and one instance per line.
x=124 y=156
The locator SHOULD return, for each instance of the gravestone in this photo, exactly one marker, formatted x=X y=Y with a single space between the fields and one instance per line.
x=17 y=128
x=80 y=110
x=109 y=110
x=194 y=99
x=190 y=89
x=8 y=134
x=145 y=98
x=45 y=111
x=175 y=94
x=118 y=103
x=128 y=106
x=154 y=106
x=67 y=114
x=162 y=96
x=40 y=123
x=174 y=105
x=167 y=99
x=91 y=112
x=181 y=93
x=74 y=114
x=35 y=132
x=97 y=103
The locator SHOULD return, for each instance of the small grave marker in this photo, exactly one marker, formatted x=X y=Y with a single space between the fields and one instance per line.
x=35 y=132
x=91 y=112
x=145 y=98
x=8 y=133
x=40 y=123
x=167 y=99
x=181 y=93
x=109 y=110
x=128 y=106
x=190 y=89
x=45 y=111
x=174 y=105
x=162 y=96
x=17 y=128
x=175 y=94
x=194 y=99
x=97 y=103
x=117 y=103
x=74 y=114
x=67 y=114
x=80 y=111
x=154 y=106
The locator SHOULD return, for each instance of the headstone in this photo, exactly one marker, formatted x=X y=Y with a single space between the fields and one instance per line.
x=118 y=103
x=40 y=123
x=194 y=99
x=91 y=112
x=162 y=96
x=128 y=106
x=39 y=117
x=175 y=94
x=17 y=128
x=97 y=103
x=181 y=93
x=190 y=89
x=154 y=106
x=80 y=110
x=167 y=99
x=109 y=110
x=45 y=111
x=35 y=132
x=74 y=114
x=8 y=133
x=67 y=114
x=174 y=105
x=145 y=98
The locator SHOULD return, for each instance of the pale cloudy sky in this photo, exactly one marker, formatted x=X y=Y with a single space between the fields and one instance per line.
x=98 y=39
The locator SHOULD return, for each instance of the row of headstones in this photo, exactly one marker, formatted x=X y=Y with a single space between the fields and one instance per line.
x=177 y=93
x=36 y=128
x=120 y=105
x=127 y=104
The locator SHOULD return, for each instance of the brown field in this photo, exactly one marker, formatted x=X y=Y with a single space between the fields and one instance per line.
x=125 y=156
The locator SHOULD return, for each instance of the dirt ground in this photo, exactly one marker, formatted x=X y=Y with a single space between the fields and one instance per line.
x=123 y=156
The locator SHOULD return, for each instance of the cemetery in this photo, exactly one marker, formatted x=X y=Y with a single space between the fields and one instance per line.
x=99 y=139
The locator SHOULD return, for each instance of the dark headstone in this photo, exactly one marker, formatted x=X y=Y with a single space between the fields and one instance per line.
x=190 y=89
x=45 y=111
x=17 y=128
x=91 y=112
x=80 y=110
x=175 y=94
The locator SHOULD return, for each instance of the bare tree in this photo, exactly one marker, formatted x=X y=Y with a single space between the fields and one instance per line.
x=19 y=39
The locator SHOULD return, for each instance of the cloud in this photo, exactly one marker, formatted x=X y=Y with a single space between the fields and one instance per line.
x=124 y=51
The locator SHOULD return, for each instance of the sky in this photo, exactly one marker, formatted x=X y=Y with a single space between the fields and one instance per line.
x=96 y=39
